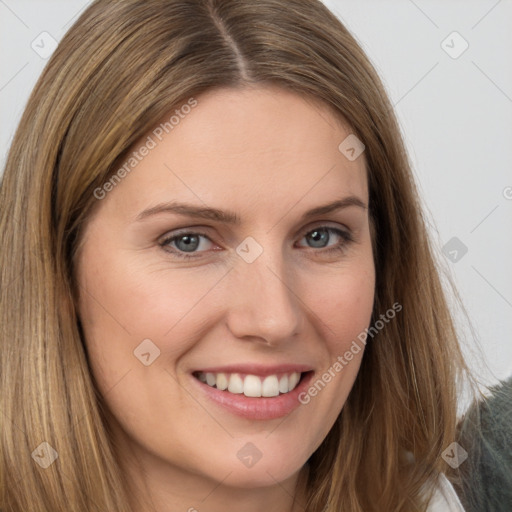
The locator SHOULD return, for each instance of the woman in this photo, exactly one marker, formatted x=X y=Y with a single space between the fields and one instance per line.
x=217 y=286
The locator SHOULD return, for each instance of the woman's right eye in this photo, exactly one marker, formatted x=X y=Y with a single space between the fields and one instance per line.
x=183 y=243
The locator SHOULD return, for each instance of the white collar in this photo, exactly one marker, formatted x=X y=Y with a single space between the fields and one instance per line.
x=445 y=498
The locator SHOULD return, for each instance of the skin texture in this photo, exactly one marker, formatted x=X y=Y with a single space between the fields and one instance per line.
x=268 y=155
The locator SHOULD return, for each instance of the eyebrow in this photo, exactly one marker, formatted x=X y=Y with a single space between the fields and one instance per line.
x=229 y=217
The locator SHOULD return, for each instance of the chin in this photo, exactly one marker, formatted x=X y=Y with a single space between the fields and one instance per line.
x=271 y=468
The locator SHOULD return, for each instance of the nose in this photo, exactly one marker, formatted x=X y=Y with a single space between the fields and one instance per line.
x=263 y=303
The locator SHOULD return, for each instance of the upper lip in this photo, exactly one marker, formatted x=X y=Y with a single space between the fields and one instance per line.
x=257 y=369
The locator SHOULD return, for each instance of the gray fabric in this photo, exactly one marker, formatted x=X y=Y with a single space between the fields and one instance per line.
x=486 y=434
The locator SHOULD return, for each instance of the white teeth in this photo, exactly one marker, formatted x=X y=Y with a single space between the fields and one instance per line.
x=235 y=384
x=293 y=380
x=270 y=386
x=251 y=385
x=283 y=384
x=222 y=381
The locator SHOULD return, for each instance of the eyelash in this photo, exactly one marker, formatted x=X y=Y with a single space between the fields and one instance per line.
x=346 y=238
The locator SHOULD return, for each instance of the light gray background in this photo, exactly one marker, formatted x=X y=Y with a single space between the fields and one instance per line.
x=455 y=113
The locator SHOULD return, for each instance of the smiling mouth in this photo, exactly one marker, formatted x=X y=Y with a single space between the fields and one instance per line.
x=252 y=385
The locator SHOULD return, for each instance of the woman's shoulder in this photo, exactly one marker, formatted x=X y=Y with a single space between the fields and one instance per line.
x=486 y=433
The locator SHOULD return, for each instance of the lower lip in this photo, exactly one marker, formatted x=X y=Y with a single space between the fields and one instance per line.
x=256 y=408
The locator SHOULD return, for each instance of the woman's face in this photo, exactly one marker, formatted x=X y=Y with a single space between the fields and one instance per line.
x=207 y=261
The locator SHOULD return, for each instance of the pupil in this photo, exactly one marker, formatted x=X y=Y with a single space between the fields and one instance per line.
x=190 y=243
x=319 y=235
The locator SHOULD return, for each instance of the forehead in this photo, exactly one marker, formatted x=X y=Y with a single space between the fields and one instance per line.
x=256 y=148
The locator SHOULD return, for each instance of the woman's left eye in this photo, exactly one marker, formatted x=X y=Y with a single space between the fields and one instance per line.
x=189 y=242
x=322 y=235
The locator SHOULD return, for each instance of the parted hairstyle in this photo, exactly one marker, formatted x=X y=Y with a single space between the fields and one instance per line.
x=120 y=68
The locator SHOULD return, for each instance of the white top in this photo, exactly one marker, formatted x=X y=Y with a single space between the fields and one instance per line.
x=445 y=498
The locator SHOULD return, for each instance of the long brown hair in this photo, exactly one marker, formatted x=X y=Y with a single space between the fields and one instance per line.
x=120 y=69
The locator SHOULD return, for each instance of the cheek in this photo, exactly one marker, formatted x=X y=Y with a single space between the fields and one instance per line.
x=345 y=310
x=123 y=304
x=345 y=306
x=123 y=298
